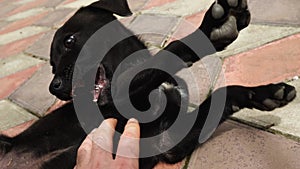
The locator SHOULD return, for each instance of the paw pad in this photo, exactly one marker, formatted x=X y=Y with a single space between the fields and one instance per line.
x=233 y=3
x=217 y=11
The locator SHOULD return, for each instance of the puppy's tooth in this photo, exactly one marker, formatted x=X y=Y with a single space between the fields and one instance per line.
x=233 y=3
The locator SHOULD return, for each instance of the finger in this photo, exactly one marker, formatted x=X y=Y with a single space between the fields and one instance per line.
x=102 y=139
x=129 y=143
x=84 y=153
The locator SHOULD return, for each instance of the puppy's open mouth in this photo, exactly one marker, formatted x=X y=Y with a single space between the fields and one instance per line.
x=101 y=87
x=101 y=83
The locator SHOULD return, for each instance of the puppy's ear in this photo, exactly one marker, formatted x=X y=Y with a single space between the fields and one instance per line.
x=119 y=7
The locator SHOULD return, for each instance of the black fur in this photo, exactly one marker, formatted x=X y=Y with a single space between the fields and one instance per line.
x=52 y=141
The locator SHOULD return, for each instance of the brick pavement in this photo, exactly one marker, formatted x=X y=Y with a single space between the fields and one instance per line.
x=266 y=52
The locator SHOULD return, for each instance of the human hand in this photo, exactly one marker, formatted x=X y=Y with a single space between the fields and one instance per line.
x=96 y=150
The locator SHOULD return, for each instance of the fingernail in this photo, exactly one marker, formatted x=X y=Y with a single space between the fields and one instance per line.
x=132 y=120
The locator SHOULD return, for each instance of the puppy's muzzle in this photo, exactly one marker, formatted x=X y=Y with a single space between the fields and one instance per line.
x=60 y=89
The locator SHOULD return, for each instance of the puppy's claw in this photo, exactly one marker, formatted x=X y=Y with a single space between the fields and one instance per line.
x=244 y=4
x=270 y=104
x=233 y=3
x=279 y=94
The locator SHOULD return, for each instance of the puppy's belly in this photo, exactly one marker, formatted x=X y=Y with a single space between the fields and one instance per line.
x=26 y=160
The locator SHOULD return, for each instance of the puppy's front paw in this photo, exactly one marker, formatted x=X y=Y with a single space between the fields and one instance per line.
x=272 y=96
x=224 y=20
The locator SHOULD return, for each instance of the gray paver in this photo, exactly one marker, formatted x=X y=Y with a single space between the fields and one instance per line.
x=13 y=64
x=54 y=18
x=21 y=2
x=52 y=3
x=155 y=34
x=21 y=33
x=201 y=78
x=12 y=115
x=5 y=8
x=41 y=48
x=77 y=4
x=284 y=120
x=181 y=7
x=257 y=35
x=238 y=146
x=136 y=5
x=275 y=11
x=25 y=14
x=34 y=94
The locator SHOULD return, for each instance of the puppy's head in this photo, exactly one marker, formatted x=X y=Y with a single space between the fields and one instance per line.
x=70 y=38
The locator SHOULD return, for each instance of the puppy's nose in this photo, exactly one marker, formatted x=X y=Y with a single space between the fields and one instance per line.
x=57 y=83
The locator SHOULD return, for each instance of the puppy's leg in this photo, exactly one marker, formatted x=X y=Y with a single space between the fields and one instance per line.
x=264 y=98
x=221 y=27
x=5 y=144
x=223 y=21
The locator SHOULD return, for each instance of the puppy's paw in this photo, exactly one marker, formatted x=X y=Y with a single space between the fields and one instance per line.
x=224 y=20
x=272 y=96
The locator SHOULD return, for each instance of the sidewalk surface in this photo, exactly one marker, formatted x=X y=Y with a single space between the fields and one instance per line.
x=268 y=51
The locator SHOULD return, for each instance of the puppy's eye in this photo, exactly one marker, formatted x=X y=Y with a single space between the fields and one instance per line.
x=70 y=41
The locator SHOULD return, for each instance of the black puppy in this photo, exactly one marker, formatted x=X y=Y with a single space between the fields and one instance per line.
x=52 y=141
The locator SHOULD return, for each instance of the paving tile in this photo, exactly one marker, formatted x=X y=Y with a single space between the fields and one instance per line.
x=181 y=7
x=187 y=26
x=238 y=146
x=25 y=6
x=275 y=12
x=25 y=14
x=3 y=24
x=67 y=2
x=5 y=8
x=63 y=19
x=13 y=26
x=257 y=35
x=18 y=46
x=136 y=5
x=41 y=48
x=271 y=63
x=12 y=82
x=12 y=115
x=155 y=34
x=22 y=2
x=126 y=21
x=283 y=120
x=21 y=33
x=11 y=132
x=51 y=3
x=201 y=78
x=54 y=17
x=57 y=104
x=34 y=94
x=77 y=4
x=13 y=64
x=154 y=3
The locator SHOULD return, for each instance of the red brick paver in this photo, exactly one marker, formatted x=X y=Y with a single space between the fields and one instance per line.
x=268 y=64
x=12 y=82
